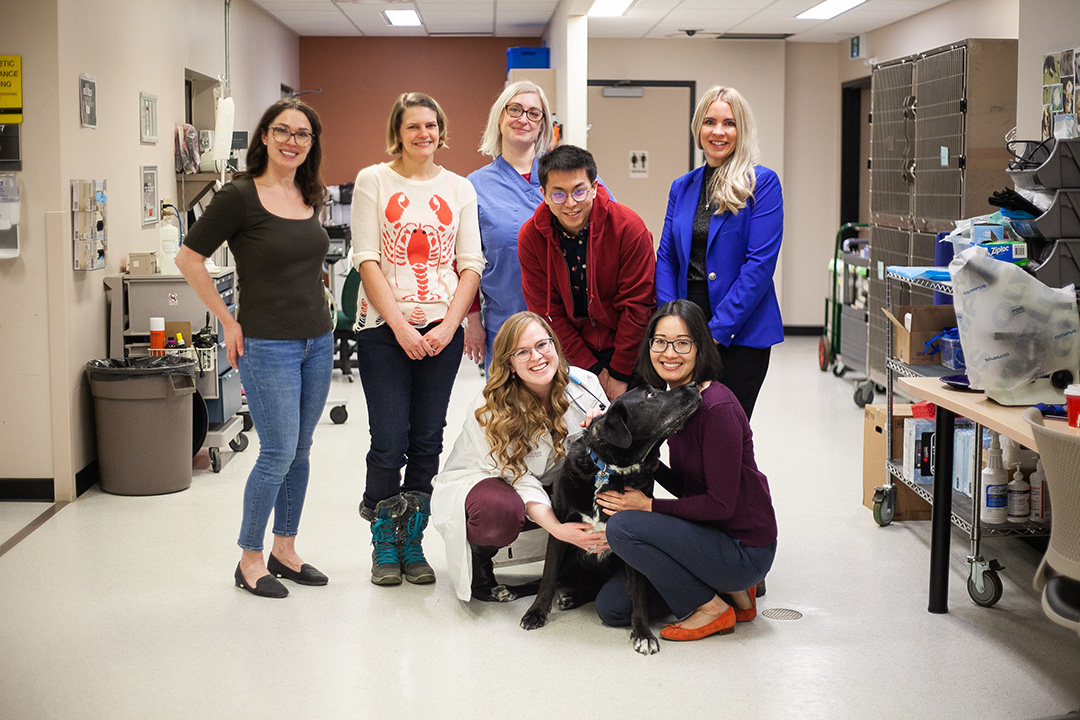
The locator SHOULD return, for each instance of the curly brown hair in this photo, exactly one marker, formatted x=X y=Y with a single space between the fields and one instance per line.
x=513 y=417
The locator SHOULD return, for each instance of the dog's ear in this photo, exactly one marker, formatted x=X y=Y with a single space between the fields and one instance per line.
x=615 y=430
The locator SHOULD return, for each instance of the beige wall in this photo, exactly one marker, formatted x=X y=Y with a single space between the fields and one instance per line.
x=55 y=317
x=1045 y=26
x=811 y=180
x=25 y=445
x=957 y=20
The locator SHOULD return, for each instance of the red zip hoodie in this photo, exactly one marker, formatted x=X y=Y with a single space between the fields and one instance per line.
x=620 y=271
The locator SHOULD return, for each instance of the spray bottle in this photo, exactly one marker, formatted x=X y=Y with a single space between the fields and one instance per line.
x=1019 y=498
x=995 y=486
x=1040 y=495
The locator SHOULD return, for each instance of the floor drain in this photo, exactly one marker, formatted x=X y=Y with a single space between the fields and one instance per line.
x=781 y=614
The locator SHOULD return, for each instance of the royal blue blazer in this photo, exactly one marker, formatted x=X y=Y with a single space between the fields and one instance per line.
x=740 y=259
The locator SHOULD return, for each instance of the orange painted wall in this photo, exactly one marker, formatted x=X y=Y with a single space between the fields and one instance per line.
x=361 y=77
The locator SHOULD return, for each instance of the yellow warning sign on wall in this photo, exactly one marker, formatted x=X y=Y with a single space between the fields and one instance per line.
x=11 y=102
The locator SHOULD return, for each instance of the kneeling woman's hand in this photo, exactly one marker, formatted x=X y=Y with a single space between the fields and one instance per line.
x=583 y=536
x=612 y=502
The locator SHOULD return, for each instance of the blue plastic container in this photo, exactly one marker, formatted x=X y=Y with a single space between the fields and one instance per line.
x=527 y=57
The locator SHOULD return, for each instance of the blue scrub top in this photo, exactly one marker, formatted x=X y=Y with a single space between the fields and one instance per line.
x=505 y=201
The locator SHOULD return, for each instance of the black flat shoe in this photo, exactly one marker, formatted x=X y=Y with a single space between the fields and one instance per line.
x=266 y=586
x=308 y=575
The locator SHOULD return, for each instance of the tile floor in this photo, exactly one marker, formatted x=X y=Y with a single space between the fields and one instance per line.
x=123 y=607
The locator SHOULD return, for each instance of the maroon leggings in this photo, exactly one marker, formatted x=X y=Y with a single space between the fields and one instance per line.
x=494 y=514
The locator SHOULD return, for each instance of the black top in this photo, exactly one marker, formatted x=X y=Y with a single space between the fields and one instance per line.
x=697 y=284
x=278 y=263
x=574 y=249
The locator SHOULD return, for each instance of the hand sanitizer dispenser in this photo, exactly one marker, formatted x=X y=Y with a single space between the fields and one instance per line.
x=9 y=216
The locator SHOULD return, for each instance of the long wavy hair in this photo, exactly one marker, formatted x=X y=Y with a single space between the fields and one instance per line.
x=491 y=142
x=309 y=174
x=513 y=417
x=734 y=182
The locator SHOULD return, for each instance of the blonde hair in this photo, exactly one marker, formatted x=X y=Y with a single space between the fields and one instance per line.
x=513 y=417
x=734 y=182
x=403 y=103
x=491 y=142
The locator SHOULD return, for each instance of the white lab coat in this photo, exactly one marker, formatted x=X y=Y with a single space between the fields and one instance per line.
x=470 y=462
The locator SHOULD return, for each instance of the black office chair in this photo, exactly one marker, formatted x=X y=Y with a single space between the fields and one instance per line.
x=344 y=334
x=1058 y=576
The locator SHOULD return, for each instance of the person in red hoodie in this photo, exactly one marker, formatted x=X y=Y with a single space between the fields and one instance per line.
x=588 y=267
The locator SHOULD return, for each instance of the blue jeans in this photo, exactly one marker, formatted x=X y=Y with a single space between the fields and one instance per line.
x=687 y=563
x=286 y=383
x=406 y=402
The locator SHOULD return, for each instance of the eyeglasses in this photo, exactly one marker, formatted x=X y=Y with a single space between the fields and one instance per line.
x=681 y=346
x=559 y=197
x=516 y=111
x=282 y=135
x=525 y=353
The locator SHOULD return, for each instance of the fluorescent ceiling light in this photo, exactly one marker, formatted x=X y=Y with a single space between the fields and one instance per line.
x=402 y=18
x=609 y=8
x=828 y=9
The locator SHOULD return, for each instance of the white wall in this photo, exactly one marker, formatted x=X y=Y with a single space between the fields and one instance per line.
x=55 y=317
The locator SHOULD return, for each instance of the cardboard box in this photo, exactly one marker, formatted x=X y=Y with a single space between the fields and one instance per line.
x=909 y=506
x=143 y=263
x=926 y=322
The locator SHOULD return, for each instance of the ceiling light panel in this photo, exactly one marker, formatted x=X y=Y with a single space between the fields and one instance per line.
x=828 y=9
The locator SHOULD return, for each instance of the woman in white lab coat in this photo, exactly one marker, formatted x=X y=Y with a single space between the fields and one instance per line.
x=500 y=470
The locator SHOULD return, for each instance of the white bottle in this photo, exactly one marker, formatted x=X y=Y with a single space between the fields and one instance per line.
x=1019 y=498
x=995 y=486
x=169 y=237
x=1040 y=495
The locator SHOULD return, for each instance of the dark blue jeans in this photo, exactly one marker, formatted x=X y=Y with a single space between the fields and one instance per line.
x=687 y=563
x=286 y=383
x=406 y=404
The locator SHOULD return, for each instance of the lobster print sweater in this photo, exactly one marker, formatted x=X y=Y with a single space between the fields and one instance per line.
x=422 y=234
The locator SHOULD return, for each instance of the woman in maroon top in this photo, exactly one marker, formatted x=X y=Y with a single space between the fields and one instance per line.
x=706 y=550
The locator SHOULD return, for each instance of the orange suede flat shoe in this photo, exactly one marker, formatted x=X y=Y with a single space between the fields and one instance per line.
x=723 y=625
x=751 y=612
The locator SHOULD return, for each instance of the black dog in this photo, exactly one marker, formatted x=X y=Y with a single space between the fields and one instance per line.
x=618 y=451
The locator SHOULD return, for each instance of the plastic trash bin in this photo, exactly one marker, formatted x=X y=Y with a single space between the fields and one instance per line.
x=142 y=407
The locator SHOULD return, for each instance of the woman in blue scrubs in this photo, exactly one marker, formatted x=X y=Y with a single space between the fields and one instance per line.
x=518 y=131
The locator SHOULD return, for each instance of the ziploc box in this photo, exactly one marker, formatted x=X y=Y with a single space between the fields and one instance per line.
x=926 y=322
x=952 y=355
x=918 y=455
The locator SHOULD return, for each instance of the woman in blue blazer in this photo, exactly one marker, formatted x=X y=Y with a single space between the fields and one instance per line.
x=721 y=240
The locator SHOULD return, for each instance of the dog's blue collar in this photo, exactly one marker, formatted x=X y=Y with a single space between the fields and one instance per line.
x=602 y=472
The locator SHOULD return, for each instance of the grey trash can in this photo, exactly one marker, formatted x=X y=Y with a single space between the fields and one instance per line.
x=142 y=408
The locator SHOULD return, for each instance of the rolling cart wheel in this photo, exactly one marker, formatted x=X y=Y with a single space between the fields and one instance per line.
x=215 y=459
x=824 y=353
x=339 y=414
x=239 y=443
x=992 y=589
x=864 y=394
x=884 y=512
x=839 y=368
x=248 y=422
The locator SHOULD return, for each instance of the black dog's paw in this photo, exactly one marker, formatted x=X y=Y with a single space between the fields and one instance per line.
x=533 y=619
x=646 y=643
x=501 y=593
x=569 y=600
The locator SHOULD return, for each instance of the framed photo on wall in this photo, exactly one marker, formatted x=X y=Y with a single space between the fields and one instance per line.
x=151 y=212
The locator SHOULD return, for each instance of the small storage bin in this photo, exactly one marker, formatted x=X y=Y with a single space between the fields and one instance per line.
x=527 y=57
